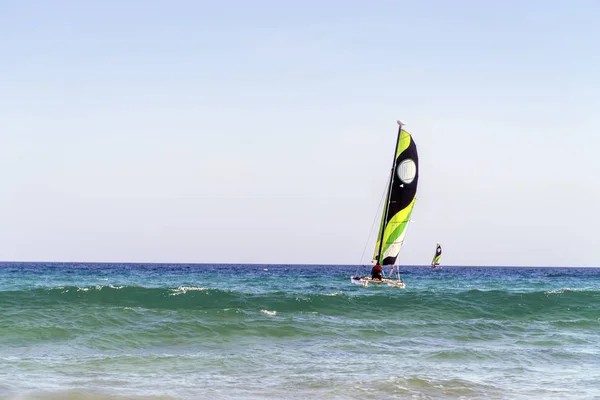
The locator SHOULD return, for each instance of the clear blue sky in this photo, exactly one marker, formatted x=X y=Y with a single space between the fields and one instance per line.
x=262 y=131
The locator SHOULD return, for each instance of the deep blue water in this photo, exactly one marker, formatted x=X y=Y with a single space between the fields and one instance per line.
x=272 y=332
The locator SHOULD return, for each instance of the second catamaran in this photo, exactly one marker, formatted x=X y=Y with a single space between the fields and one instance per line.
x=398 y=206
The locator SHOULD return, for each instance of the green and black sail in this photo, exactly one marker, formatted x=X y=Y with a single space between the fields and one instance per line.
x=437 y=256
x=400 y=200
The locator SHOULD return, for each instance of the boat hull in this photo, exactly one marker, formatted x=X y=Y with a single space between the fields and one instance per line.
x=365 y=281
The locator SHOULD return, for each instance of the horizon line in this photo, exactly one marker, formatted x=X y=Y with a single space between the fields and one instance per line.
x=290 y=264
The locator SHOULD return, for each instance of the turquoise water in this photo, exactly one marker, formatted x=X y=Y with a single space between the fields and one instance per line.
x=295 y=332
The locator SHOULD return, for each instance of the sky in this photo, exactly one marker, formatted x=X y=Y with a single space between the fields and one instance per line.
x=263 y=131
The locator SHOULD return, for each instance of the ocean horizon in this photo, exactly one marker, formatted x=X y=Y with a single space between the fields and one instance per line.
x=205 y=264
x=97 y=330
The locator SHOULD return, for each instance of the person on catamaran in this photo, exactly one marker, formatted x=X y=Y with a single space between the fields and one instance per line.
x=376 y=272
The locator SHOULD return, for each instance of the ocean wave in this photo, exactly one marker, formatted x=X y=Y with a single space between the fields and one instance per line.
x=79 y=395
x=185 y=289
x=567 y=304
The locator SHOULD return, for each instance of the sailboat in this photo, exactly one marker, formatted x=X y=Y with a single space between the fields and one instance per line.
x=401 y=193
x=435 y=263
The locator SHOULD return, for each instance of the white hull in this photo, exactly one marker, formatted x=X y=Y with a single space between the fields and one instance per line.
x=365 y=281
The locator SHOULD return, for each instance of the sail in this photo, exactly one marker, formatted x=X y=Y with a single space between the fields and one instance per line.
x=402 y=192
x=382 y=223
x=437 y=256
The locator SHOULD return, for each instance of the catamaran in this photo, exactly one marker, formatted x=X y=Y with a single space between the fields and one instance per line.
x=401 y=193
x=435 y=263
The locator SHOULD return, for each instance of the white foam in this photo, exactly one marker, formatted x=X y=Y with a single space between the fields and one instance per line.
x=185 y=289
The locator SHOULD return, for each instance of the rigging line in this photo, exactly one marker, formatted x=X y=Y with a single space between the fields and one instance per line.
x=373 y=224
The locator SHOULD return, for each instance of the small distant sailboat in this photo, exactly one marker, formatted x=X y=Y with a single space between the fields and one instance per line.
x=435 y=263
x=400 y=199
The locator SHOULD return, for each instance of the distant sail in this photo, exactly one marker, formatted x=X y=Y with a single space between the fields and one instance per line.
x=401 y=195
x=438 y=254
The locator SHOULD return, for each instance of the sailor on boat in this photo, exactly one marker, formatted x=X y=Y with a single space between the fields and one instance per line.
x=377 y=272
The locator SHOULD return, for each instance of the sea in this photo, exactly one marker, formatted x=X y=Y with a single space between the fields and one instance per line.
x=178 y=331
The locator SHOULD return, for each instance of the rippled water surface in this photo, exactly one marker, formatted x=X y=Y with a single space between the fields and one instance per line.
x=270 y=332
